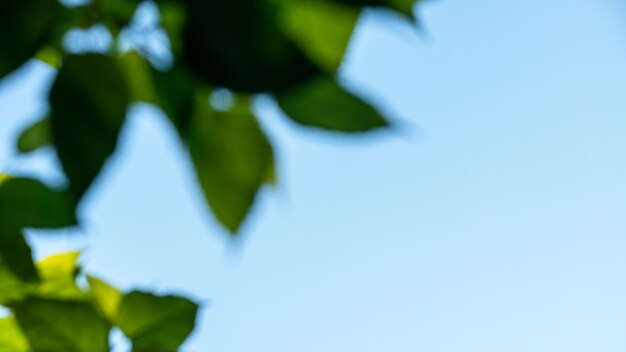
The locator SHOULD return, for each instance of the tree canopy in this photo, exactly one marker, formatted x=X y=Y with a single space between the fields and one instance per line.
x=289 y=49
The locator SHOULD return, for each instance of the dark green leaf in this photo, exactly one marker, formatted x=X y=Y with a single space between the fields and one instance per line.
x=89 y=100
x=238 y=44
x=24 y=28
x=405 y=7
x=53 y=326
x=16 y=259
x=176 y=91
x=12 y=338
x=35 y=136
x=29 y=203
x=325 y=104
x=232 y=157
x=156 y=323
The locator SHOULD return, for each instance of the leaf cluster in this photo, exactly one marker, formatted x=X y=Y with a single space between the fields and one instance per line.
x=222 y=55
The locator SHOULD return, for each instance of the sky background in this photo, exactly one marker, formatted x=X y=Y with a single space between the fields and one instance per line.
x=493 y=220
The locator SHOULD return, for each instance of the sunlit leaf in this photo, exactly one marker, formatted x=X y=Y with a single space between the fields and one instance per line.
x=232 y=157
x=35 y=136
x=57 y=274
x=322 y=29
x=156 y=323
x=325 y=104
x=55 y=325
x=89 y=100
x=12 y=338
x=107 y=297
x=24 y=28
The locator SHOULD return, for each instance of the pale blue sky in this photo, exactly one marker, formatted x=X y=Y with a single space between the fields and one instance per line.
x=495 y=221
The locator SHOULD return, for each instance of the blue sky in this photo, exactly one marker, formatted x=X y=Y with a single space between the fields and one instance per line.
x=493 y=220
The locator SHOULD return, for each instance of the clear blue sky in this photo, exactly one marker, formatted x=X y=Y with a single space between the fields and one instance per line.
x=496 y=221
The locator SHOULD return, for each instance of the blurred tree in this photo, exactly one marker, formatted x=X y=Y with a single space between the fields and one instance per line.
x=233 y=49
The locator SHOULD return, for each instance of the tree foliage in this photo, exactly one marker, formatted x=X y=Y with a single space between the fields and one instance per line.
x=289 y=49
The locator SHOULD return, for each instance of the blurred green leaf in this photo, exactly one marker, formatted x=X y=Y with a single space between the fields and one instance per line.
x=24 y=29
x=404 y=7
x=29 y=203
x=89 y=100
x=321 y=29
x=57 y=267
x=49 y=56
x=35 y=136
x=238 y=44
x=15 y=255
x=55 y=325
x=108 y=298
x=232 y=157
x=325 y=104
x=12 y=289
x=12 y=338
x=173 y=19
x=139 y=77
x=176 y=90
x=156 y=323
x=57 y=274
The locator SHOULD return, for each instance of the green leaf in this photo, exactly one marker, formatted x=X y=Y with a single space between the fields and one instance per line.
x=176 y=90
x=321 y=29
x=12 y=289
x=24 y=28
x=404 y=7
x=29 y=203
x=325 y=104
x=89 y=100
x=238 y=44
x=49 y=56
x=156 y=323
x=107 y=297
x=232 y=157
x=173 y=18
x=139 y=77
x=12 y=338
x=15 y=255
x=34 y=137
x=54 y=325
x=57 y=274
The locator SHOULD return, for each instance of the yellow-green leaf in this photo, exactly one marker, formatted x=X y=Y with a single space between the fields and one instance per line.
x=12 y=338
x=107 y=297
x=321 y=29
